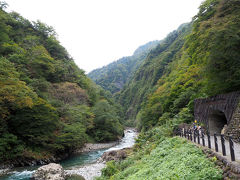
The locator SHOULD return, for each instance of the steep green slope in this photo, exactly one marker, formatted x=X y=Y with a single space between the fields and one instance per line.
x=207 y=64
x=48 y=106
x=115 y=75
x=162 y=92
x=154 y=66
x=165 y=158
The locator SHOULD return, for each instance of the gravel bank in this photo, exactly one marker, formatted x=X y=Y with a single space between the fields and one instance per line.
x=92 y=147
x=4 y=171
x=87 y=171
x=92 y=170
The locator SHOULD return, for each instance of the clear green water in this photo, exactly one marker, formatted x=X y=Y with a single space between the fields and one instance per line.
x=82 y=159
x=25 y=173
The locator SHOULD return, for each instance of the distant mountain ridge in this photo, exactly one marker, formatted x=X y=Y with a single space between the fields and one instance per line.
x=199 y=59
x=151 y=70
x=115 y=75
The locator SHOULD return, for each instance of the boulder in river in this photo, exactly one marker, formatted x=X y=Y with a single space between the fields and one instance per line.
x=115 y=155
x=51 y=171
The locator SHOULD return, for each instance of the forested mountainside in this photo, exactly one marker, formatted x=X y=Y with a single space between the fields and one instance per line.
x=151 y=69
x=48 y=105
x=206 y=65
x=115 y=75
x=200 y=59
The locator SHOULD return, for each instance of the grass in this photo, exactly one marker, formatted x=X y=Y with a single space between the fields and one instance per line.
x=172 y=158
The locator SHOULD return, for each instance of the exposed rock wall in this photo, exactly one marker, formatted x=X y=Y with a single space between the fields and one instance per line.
x=228 y=104
x=233 y=128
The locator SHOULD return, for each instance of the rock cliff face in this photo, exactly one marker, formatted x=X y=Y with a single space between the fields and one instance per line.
x=51 y=171
x=233 y=128
x=216 y=111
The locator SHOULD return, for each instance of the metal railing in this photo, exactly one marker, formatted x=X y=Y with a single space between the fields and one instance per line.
x=199 y=137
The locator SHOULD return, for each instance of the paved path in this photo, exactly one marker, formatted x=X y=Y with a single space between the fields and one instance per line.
x=236 y=146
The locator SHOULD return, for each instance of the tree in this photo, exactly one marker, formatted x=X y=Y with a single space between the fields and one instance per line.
x=3 y=5
x=106 y=123
x=3 y=27
x=36 y=125
x=44 y=29
x=14 y=94
x=72 y=136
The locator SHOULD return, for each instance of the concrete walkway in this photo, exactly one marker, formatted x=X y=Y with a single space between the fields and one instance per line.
x=228 y=156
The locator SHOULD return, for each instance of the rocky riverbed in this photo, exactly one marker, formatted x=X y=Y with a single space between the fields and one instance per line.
x=92 y=170
x=116 y=152
x=86 y=161
x=88 y=171
x=88 y=147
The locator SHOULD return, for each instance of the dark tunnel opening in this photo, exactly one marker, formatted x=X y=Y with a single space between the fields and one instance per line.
x=216 y=121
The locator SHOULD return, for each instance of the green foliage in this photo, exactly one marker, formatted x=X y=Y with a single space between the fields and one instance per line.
x=41 y=63
x=150 y=115
x=43 y=29
x=200 y=59
x=135 y=95
x=3 y=27
x=206 y=10
x=106 y=121
x=46 y=101
x=55 y=49
x=34 y=125
x=82 y=114
x=10 y=147
x=14 y=94
x=3 y=5
x=216 y=39
x=69 y=93
x=115 y=75
x=170 y=158
x=110 y=170
x=72 y=136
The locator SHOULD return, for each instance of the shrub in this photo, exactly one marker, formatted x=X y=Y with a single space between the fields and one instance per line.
x=172 y=158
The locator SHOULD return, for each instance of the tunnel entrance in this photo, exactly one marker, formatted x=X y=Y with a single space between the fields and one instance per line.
x=216 y=120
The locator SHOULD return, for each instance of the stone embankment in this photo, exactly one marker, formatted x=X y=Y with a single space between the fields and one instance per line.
x=231 y=169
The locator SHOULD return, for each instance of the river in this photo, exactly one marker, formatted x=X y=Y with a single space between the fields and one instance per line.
x=85 y=164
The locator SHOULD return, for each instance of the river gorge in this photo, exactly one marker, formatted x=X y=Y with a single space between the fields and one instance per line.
x=86 y=164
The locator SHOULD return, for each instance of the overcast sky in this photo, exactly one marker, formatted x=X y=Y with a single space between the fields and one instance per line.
x=97 y=32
